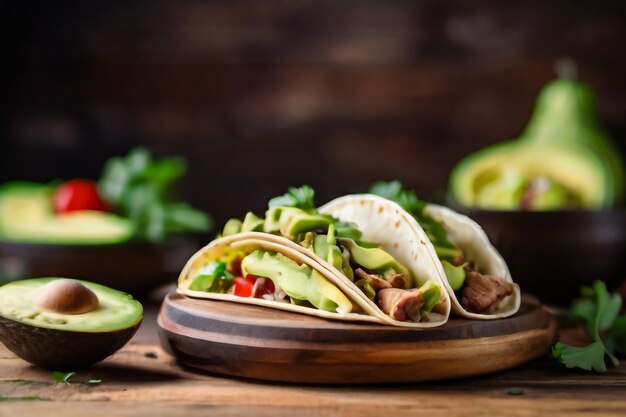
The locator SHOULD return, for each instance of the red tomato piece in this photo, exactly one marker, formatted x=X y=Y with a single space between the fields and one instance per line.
x=243 y=286
x=76 y=195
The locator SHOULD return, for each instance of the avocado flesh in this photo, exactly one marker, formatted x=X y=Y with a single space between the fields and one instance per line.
x=572 y=167
x=116 y=310
x=22 y=202
x=300 y=282
x=566 y=113
x=563 y=143
x=27 y=216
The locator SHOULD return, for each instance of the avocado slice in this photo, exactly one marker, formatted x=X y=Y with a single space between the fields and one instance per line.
x=27 y=216
x=60 y=323
x=562 y=147
x=252 y=223
x=375 y=259
x=299 y=282
x=290 y=221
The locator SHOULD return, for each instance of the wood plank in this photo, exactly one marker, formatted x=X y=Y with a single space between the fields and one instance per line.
x=143 y=379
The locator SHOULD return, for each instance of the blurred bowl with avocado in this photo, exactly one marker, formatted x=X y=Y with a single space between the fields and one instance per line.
x=127 y=230
x=551 y=200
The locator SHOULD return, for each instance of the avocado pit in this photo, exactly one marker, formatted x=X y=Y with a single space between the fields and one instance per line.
x=66 y=296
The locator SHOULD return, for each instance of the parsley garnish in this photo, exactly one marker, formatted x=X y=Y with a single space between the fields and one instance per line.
x=299 y=197
x=141 y=188
x=598 y=310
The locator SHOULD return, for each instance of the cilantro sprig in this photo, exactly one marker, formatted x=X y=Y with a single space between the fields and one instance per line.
x=598 y=310
x=140 y=187
x=299 y=197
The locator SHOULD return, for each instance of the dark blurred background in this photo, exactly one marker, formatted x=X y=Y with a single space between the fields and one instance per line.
x=259 y=95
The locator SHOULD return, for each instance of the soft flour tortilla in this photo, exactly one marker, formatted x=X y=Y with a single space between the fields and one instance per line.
x=369 y=311
x=472 y=239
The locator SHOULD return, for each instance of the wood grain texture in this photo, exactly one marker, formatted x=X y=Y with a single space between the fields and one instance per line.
x=141 y=379
x=261 y=343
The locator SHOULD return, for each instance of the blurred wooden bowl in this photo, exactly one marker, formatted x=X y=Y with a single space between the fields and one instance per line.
x=131 y=267
x=552 y=254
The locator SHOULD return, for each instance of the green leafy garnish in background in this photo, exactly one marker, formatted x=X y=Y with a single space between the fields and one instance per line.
x=140 y=187
x=299 y=197
x=598 y=310
x=408 y=200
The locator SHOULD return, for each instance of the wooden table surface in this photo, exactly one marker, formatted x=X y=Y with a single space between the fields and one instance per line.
x=142 y=379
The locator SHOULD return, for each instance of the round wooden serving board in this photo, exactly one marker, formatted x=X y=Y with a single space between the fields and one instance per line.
x=262 y=343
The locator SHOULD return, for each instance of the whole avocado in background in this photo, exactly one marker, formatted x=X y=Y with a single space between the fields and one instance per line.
x=65 y=324
x=562 y=160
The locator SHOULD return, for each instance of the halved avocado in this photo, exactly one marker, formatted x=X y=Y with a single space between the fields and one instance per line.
x=22 y=201
x=574 y=168
x=563 y=149
x=27 y=215
x=65 y=324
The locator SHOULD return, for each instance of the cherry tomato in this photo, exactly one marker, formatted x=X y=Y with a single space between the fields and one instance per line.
x=243 y=286
x=76 y=195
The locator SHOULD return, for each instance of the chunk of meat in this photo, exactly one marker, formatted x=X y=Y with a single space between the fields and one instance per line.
x=482 y=292
x=400 y=304
x=378 y=281
x=375 y=281
x=396 y=280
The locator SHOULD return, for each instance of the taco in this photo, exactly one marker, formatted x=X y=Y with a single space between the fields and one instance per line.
x=476 y=276
x=362 y=267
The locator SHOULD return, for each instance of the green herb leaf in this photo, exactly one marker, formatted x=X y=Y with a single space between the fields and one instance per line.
x=212 y=278
x=598 y=309
x=590 y=357
x=616 y=337
x=62 y=376
x=141 y=188
x=29 y=398
x=299 y=197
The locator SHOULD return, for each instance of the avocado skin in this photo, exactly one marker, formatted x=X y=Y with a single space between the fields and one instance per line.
x=61 y=350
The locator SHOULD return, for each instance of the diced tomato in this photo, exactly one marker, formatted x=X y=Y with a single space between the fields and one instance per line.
x=243 y=286
x=76 y=195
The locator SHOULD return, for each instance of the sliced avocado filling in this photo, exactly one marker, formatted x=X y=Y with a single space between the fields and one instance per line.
x=454 y=274
x=252 y=223
x=299 y=282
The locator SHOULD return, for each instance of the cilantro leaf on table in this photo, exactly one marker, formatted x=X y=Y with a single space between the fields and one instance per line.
x=62 y=376
x=299 y=197
x=141 y=188
x=599 y=310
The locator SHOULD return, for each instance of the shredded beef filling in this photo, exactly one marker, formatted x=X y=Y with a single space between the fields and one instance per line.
x=396 y=280
x=400 y=304
x=378 y=282
x=375 y=281
x=482 y=292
